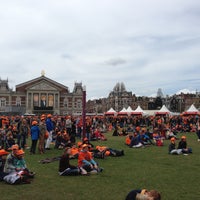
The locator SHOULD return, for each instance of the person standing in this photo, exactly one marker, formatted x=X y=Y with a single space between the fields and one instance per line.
x=35 y=132
x=24 y=131
x=49 y=126
x=43 y=130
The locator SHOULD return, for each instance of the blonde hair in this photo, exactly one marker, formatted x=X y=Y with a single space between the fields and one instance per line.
x=140 y=196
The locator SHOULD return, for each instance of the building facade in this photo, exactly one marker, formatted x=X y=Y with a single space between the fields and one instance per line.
x=44 y=95
x=40 y=95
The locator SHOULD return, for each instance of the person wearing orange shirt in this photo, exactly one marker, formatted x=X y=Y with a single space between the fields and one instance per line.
x=86 y=161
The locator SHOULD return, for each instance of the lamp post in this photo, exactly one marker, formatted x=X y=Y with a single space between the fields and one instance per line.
x=84 y=111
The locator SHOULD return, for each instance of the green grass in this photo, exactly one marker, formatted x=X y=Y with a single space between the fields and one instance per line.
x=176 y=177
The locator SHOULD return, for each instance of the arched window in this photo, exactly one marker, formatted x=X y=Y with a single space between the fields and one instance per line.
x=18 y=101
x=2 y=102
x=79 y=104
x=65 y=102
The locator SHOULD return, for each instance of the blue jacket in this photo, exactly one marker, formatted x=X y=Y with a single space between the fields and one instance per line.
x=35 y=132
x=49 y=125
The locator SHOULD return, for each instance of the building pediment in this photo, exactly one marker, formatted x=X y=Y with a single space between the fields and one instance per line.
x=41 y=83
x=42 y=86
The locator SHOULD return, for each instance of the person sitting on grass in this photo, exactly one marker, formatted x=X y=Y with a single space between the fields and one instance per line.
x=10 y=159
x=143 y=195
x=86 y=161
x=136 y=141
x=3 y=155
x=16 y=168
x=183 y=145
x=172 y=148
x=66 y=169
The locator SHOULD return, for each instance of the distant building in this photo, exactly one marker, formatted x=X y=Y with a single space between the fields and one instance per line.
x=44 y=95
x=119 y=97
x=40 y=95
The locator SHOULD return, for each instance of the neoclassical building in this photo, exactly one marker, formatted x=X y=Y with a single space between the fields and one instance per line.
x=40 y=95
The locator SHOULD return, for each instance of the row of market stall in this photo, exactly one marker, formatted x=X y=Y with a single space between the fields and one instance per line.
x=192 y=110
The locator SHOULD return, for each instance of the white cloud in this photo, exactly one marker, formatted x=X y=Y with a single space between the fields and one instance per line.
x=145 y=44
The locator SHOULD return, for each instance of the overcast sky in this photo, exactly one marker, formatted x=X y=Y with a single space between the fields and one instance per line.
x=146 y=44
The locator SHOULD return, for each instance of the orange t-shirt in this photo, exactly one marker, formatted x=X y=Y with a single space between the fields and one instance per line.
x=84 y=155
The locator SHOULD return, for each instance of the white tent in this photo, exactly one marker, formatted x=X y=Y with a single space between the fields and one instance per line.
x=192 y=110
x=163 y=111
x=138 y=111
x=129 y=110
x=111 y=111
x=123 y=112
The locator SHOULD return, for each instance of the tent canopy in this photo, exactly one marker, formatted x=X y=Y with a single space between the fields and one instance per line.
x=111 y=111
x=129 y=110
x=192 y=110
x=123 y=112
x=138 y=111
x=163 y=111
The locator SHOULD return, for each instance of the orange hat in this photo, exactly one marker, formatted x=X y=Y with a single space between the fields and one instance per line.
x=85 y=139
x=137 y=128
x=107 y=153
x=49 y=115
x=15 y=147
x=79 y=144
x=172 y=139
x=34 y=122
x=3 y=152
x=20 y=152
x=183 y=137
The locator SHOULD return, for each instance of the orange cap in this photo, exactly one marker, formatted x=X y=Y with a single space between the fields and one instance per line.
x=85 y=139
x=172 y=139
x=20 y=152
x=34 y=122
x=3 y=152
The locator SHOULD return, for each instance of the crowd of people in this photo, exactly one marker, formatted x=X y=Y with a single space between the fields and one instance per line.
x=64 y=131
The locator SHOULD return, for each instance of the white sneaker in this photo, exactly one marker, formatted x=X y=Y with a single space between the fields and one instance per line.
x=93 y=172
x=198 y=140
x=83 y=171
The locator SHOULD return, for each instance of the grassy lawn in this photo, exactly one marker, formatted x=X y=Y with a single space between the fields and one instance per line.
x=176 y=177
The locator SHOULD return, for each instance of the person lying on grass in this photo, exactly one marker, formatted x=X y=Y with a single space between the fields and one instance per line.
x=143 y=195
